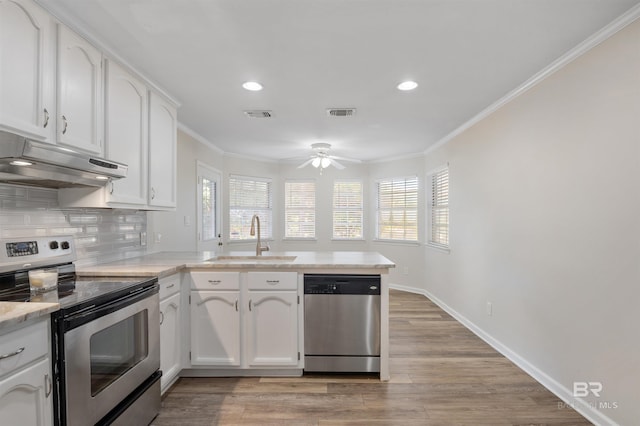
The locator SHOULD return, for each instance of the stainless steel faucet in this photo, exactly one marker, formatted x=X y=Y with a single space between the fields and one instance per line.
x=259 y=248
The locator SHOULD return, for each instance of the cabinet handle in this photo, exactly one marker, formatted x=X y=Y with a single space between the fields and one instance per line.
x=170 y=285
x=65 y=124
x=111 y=187
x=236 y=305
x=153 y=193
x=161 y=317
x=273 y=281
x=10 y=354
x=47 y=384
x=46 y=118
x=249 y=304
x=214 y=282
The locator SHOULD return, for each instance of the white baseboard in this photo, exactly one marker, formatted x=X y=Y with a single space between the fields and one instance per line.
x=580 y=405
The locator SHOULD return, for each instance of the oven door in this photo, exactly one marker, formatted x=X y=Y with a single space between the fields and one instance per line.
x=108 y=357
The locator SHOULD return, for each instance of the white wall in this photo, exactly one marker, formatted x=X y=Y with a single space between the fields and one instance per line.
x=545 y=224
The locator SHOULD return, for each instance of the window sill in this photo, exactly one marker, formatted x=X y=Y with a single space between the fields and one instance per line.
x=439 y=248
x=299 y=239
x=398 y=242
x=348 y=240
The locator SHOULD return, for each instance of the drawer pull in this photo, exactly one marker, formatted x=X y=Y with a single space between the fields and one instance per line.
x=14 y=353
x=215 y=282
x=273 y=281
x=161 y=317
x=249 y=304
x=171 y=285
x=236 y=305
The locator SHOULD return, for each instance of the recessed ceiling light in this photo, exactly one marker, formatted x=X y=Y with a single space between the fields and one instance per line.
x=254 y=86
x=407 y=85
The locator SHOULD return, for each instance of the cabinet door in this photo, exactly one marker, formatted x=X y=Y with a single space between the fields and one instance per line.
x=170 y=342
x=162 y=152
x=25 y=397
x=215 y=328
x=26 y=86
x=126 y=133
x=272 y=329
x=79 y=92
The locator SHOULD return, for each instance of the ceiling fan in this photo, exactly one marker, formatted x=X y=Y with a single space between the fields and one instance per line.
x=321 y=159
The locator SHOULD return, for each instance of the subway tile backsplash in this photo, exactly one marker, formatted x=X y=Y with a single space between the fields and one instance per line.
x=101 y=235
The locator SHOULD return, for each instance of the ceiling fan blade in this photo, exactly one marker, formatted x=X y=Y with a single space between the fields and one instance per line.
x=336 y=164
x=306 y=163
x=352 y=160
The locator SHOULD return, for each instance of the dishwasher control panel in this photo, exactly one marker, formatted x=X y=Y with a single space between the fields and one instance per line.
x=341 y=284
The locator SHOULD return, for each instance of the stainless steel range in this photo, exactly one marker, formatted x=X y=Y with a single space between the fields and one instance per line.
x=105 y=337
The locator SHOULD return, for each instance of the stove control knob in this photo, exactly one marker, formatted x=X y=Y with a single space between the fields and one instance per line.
x=64 y=245
x=53 y=245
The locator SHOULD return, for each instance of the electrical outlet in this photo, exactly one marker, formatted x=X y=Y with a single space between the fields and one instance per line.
x=158 y=237
x=143 y=239
x=489 y=308
x=187 y=220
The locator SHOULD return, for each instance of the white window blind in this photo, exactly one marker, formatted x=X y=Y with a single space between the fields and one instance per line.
x=249 y=196
x=300 y=209
x=347 y=210
x=397 y=208
x=439 y=206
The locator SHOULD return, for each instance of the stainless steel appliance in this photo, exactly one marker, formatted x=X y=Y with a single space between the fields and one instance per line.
x=105 y=337
x=341 y=323
x=28 y=162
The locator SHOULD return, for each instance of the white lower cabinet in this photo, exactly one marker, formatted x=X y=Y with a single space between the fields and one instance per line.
x=25 y=376
x=245 y=324
x=170 y=330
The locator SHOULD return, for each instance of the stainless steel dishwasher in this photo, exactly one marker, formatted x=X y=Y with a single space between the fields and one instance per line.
x=341 y=323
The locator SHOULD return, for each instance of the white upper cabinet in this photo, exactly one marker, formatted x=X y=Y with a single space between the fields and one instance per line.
x=126 y=133
x=26 y=70
x=162 y=152
x=79 y=92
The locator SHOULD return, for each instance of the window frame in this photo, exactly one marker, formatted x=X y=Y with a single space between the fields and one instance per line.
x=378 y=210
x=287 y=209
x=334 y=210
x=265 y=222
x=433 y=179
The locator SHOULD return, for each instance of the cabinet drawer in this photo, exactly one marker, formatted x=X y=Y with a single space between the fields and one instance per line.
x=215 y=280
x=22 y=346
x=169 y=286
x=273 y=280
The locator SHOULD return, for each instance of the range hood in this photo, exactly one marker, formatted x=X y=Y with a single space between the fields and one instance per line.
x=27 y=162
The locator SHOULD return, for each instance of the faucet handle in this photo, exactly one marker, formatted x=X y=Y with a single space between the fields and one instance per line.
x=265 y=248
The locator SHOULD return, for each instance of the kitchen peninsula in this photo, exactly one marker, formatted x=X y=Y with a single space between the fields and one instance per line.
x=240 y=314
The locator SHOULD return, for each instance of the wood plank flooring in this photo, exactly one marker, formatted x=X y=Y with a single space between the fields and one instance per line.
x=441 y=374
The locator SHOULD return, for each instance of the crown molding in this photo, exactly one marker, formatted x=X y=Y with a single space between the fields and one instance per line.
x=198 y=137
x=594 y=40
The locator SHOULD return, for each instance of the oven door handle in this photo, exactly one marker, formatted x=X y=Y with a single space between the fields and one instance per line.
x=96 y=311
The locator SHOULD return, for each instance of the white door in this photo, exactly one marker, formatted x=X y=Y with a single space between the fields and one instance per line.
x=215 y=328
x=162 y=152
x=25 y=397
x=26 y=69
x=126 y=133
x=272 y=329
x=209 y=227
x=170 y=342
x=79 y=92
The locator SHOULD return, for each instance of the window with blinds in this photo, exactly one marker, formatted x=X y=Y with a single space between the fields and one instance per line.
x=347 y=210
x=300 y=209
x=397 y=209
x=249 y=196
x=439 y=209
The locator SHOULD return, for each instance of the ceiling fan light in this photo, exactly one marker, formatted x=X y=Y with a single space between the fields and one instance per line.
x=325 y=162
x=316 y=162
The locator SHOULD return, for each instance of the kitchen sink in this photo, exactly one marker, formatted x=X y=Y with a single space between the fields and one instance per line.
x=242 y=258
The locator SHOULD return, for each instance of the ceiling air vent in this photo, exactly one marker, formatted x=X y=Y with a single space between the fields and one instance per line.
x=258 y=114
x=341 y=112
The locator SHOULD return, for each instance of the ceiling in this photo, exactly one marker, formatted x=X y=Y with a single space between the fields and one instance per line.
x=311 y=55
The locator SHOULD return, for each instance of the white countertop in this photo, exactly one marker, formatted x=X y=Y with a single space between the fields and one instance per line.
x=163 y=264
x=167 y=263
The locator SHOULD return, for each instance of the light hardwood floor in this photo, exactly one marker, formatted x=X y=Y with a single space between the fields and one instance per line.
x=441 y=374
